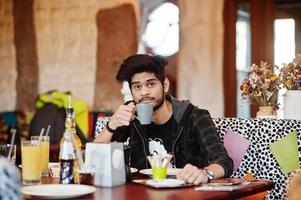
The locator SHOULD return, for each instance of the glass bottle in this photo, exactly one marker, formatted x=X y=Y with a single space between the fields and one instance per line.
x=70 y=124
x=70 y=139
x=67 y=159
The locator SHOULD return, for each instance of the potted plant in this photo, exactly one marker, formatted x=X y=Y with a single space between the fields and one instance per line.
x=290 y=76
x=262 y=88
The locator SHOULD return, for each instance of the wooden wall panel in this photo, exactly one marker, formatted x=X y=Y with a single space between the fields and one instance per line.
x=117 y=39
x=26 y=54
x=262 y=34
x=229 y=60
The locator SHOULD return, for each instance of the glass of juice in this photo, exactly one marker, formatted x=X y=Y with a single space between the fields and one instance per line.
x=159 y=173
x=31 y=162
x=44 y=153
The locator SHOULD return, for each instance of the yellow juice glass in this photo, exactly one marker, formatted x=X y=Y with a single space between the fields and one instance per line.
x=31 y=162
x=44 y=153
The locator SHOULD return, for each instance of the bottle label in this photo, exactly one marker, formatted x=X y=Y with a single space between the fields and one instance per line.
x=67 y=171
x=67 y=151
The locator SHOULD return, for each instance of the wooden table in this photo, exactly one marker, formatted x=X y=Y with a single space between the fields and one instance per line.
x=133 y=191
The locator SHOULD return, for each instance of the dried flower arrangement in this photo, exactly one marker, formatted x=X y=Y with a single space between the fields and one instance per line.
x=290 y=74
x=261 y=86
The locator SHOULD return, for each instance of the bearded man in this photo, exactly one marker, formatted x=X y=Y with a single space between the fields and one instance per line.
x=178 y=127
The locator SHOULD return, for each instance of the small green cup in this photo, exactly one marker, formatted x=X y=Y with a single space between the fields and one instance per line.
x=159 y=173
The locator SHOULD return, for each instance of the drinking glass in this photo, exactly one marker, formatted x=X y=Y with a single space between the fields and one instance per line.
x=86 y=173
x=86 y=176
x=44 y=153
x=4 y=151
x=31 y=162
x=159 y=173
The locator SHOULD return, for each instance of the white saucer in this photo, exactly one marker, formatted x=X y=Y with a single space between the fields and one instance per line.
x=58 y=191
x=165 y=183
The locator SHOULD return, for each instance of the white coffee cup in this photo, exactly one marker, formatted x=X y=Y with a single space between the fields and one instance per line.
x=145 y=113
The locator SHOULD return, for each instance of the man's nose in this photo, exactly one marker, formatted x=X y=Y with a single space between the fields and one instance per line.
x=145 y=91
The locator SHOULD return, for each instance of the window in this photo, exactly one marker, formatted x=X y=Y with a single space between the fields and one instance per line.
x=162 y=30
x=243 y=60
x=284 y=49
x=284 y=41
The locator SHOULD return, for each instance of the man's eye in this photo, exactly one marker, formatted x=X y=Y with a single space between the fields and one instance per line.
x=137 y=87
x=151 y=84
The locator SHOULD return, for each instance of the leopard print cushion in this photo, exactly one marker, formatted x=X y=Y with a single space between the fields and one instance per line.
x=258 y=159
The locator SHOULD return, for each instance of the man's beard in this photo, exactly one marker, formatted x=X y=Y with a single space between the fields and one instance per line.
x=161 y=101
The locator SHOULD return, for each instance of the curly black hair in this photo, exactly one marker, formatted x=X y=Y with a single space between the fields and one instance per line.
x=142 y=63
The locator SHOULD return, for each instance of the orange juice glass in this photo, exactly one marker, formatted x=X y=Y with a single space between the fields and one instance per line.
x=44 y=153
x=31 y=162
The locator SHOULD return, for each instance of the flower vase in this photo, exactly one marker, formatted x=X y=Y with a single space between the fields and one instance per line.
x=266 y=112
x=291 y=106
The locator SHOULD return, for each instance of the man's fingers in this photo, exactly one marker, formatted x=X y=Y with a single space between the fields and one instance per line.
x=192 y=174
x=123 y=116
x=126 y=116
x=187 y=175
x=129 y=108
x=198 y=180
x=186 y=172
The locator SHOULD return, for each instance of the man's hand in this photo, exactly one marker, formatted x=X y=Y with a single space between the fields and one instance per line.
x=123 y=116
x=192 y=174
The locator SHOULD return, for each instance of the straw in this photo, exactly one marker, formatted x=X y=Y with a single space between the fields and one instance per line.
x=13 y=133
x=150 y=160
x=167 y=160
x=41 y=134
x=159 y=160
x=48 y=129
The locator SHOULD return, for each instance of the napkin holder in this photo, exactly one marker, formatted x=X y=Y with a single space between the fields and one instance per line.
x=108 y=161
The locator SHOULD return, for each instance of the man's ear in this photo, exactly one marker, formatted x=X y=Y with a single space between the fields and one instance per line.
x=166 y=84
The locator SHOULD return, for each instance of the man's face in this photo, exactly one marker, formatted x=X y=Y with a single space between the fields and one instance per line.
x=146 y=88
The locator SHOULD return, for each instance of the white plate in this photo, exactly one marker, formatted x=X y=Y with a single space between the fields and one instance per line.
x=165 y=183
x=58 y=191
x=133 y=170
x=170 y=171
